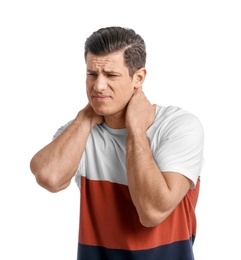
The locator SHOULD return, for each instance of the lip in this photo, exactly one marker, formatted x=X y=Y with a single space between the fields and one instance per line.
x=101 y=98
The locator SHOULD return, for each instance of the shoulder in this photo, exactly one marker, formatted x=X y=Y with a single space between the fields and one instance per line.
x=173 y=117
x=174 y=123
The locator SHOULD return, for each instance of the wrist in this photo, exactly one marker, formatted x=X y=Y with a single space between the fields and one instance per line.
x=136 y=132
x=83 y=121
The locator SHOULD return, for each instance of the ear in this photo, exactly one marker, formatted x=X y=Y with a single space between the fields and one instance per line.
x=139 y=78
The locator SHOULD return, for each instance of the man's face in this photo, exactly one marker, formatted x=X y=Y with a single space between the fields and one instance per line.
x=108 y=84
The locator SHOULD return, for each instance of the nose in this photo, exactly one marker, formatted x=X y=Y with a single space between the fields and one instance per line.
x=100 y=84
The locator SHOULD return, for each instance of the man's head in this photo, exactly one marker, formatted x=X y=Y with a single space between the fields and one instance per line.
x=113 y=39
x=115 y=68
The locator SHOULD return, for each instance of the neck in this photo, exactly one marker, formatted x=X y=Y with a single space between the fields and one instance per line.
x=115 y=121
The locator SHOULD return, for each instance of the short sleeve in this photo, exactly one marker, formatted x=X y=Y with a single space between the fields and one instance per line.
x=180 y=147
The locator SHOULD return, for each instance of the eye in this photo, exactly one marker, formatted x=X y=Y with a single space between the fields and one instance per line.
x=112 y=76
x=91 y=75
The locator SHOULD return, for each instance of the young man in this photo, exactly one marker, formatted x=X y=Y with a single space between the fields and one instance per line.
x=137 y=164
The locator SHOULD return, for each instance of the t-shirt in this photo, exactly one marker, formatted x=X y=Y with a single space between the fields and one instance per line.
x=109 y=225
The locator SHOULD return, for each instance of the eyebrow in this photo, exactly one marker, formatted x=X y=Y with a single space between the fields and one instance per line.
x=105 y=72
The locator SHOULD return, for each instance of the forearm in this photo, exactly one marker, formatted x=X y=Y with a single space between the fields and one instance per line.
x=56 y=163
x=148 y=188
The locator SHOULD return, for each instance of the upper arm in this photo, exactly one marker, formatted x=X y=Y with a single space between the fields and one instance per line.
x=180 y=149
x=178 y=186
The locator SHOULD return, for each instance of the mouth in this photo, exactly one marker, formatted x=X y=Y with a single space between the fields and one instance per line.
x=101 y=98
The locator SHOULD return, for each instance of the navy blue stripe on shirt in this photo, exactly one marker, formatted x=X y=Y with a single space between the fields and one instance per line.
x=176 y=251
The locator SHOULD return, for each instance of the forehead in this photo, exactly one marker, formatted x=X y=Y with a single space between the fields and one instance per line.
x=110 y=61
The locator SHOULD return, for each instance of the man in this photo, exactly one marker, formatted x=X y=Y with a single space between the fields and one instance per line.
x=137 y=164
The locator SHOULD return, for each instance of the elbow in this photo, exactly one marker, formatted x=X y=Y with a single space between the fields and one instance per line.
x=148 y=221
x=152 y=217
x=49 y=184
x=47 y=180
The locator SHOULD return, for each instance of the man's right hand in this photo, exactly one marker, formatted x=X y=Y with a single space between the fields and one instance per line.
x=90 y=115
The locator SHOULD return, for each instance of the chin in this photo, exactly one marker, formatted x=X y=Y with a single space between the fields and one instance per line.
x=109 y=111
x=102 y=112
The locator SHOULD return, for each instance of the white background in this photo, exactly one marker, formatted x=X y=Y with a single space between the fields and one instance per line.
x=194 y=61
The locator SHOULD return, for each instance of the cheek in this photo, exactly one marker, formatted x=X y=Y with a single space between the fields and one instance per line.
x=125 y=96
x=88 y=92
x=129 y=92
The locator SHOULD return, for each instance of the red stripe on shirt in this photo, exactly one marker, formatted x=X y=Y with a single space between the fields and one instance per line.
x=108 y=218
